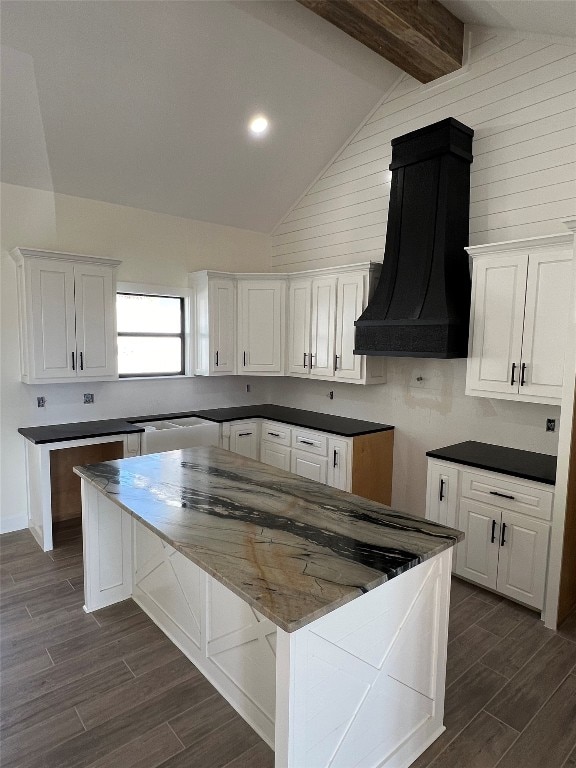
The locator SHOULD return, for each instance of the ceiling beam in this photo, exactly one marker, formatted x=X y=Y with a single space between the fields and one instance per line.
x=420 y=37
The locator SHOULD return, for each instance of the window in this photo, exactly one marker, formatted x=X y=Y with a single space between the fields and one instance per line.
x=151 y=333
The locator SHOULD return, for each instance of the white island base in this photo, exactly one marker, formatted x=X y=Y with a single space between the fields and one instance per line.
x=360 y=687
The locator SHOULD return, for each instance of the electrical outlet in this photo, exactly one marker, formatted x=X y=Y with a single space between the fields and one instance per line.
x=41 y=402
x=331 y=394
x=88 y=398
x=550 y=425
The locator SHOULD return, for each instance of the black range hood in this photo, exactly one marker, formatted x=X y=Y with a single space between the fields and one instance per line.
x=421 y=305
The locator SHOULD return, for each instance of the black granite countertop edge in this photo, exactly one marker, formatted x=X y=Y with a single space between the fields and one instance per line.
x=323 y=422
x=528 y=465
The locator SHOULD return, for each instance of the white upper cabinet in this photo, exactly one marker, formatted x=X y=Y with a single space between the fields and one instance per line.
x=67 y=308
x=323 y=327
x=350 y=303
x=519 y=319
x=214 y=322
x=299 y=312
x=261 y=326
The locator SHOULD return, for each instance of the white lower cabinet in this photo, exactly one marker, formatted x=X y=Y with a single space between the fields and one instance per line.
x=245 y=439
x=339 y=467
x=275 y=455
x=506 y=522
x=308 y=465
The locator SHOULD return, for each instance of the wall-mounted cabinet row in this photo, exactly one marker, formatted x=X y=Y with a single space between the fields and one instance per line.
x=297 y=325
x=67 y=316
x=521 y=293
x=507 y=524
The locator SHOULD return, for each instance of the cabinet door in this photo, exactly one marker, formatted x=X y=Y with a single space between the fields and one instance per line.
x=276 y=455
x=523 y=558
x=299 y=300
x=53 y=353
x=349 y=306
x=308 y=465
x=244 y=439
x=94 y=288
x=498 y=296
x=323 y=326
x=442 y=494
x=222 y=312
x=546 y=324
x=339 y=464
x=261 y=326
x=477 y=557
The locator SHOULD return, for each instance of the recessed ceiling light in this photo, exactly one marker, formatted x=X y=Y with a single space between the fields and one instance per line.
x=258 y=125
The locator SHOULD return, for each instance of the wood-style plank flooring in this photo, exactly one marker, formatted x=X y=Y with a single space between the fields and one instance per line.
x=109 y=690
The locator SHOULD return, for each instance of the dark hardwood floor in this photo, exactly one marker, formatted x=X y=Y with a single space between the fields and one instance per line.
x=109 y=690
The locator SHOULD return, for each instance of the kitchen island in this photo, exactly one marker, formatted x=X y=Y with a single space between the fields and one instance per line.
x=321 y=616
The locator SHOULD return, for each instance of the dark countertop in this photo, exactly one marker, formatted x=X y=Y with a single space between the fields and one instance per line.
x=324 y=422
x=508 y=461
x=292 y=548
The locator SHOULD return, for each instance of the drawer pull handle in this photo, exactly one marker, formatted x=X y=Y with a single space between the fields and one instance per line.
x=336 y=358
x=274 y=434
x=244 y=359
x=441 y=494
x=523 y=374
x=335 y=459
x=216 y=358
x=305 y=442
x=502 y=495
x=311 y=360
x=502 y=539
x=512 y=379
x=244 y=434
x=305 y=363
x=81 y=361
x=493 y=536
x=73 y=362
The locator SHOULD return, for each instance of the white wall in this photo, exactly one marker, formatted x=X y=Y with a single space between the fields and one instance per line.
x=154 y=248
x=518 y=95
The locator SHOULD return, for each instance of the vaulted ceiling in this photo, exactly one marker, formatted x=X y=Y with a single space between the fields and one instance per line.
x=147 y=103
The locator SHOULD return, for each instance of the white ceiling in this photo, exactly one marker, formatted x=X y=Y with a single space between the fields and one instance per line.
x=146 y=103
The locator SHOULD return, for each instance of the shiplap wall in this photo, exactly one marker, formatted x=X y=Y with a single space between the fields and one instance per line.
x=519 y=97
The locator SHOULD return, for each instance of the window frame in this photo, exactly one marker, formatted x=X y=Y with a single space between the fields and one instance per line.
x=138 y=289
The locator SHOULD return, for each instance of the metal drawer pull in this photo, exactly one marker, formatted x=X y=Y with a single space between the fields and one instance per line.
x=73 y=362
x=502 y=539
x=512 y=380
x=441 y=494
x=335 y=460
x=311 y=360
x=523 y=374
x=244 y=434
x=81 y=361
x=305 y=442
x=305 y=363
x=502 y=495
x=274 y=434
x=216 y=358
x=493 y=536
x=244 y=358
x=336 y=358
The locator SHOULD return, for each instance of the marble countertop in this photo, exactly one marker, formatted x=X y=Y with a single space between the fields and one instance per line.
x=325 y=422
x=292 y=548
x=529 y=465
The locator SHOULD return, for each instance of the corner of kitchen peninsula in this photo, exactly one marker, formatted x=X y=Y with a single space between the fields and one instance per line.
x=321 y=616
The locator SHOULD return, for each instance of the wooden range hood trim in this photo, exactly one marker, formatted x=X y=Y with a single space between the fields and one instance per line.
x=421 y=37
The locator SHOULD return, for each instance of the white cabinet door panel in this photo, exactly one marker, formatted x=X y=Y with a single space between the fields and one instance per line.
x=222 y=310
x=275 y=455
x=299 y=298
x=349 y=306
x=339 y=464
x=442 y=489
x=245 y=440
x=477 y=556
x=261 y=311
x=523 y=558
x=546 y=324
x=95 y=325
x=53 y=319
x=310 y=466
x=498 y=315
x=323 y=326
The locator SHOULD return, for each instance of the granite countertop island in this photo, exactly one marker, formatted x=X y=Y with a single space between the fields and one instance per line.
x=321 y=617
x=292 y=548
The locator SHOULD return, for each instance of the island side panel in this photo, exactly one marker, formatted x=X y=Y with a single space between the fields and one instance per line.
x=231 y=643
x=107 y=543
x=364 y=685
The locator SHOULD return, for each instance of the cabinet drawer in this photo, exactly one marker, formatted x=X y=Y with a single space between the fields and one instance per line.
x=276 y=433
x=306 y=465
x=508 y=494
x=275 y=455
x=313 y=442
